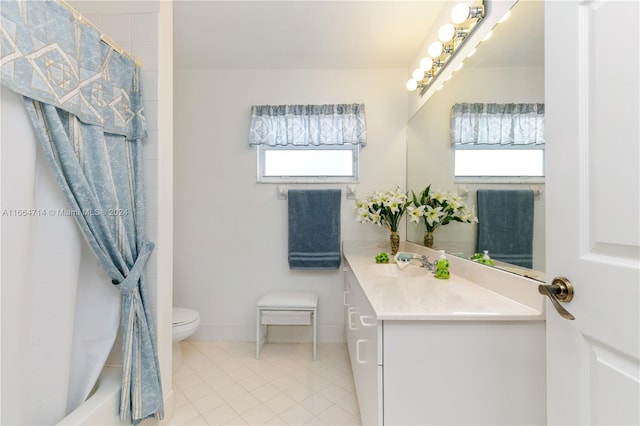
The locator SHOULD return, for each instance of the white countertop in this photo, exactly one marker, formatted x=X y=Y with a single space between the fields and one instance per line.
x=413 y=293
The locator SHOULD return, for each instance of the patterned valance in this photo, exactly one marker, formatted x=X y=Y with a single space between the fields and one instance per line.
x=308 y=125
x=49 y=56
x=497 y=124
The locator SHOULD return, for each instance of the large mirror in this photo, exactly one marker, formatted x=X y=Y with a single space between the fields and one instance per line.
x=506 y=68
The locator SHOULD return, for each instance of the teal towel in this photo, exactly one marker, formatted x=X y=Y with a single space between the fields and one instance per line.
x=314 y=229
x=505 y=225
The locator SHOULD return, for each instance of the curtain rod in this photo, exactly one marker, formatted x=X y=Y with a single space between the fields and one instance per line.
x=105 y=38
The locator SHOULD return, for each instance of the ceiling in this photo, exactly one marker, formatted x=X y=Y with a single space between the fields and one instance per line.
x=263 y=34
x=300 y=34
x=336 y=34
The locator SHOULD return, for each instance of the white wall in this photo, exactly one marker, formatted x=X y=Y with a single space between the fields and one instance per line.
x=431 y=157
x=231 y=232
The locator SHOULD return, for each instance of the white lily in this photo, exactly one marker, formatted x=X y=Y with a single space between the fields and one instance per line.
x=363 y=215
x=415 y=213
x=433 y=215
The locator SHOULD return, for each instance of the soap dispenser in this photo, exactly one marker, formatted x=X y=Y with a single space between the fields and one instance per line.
x=486 y=260
x=442 y=267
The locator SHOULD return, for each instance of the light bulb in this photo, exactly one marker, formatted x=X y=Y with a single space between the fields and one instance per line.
x=426 y=63
x=488 y=36
x=412 y=85
x=473 y=52
x=459 y=67
x=505 y=17
x=460 y=13
x=435 y=49
x=446 y=32
x=418 y=74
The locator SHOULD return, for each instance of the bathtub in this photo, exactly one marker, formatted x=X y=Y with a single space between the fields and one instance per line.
x=102 y=407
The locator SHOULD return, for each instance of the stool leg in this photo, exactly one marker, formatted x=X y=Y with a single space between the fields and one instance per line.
x=315 y=335
x=258 y=332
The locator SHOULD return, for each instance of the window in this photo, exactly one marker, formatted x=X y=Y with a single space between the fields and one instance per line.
x=308 y=143
x=308 y=164
x=502 y=141
x=499 y=162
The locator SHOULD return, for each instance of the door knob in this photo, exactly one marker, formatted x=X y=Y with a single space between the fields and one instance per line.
x=560 y=290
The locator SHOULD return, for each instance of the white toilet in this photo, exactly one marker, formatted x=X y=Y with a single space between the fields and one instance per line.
x=185 y=322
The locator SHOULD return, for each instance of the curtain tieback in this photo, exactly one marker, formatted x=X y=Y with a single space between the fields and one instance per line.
x=131 y=281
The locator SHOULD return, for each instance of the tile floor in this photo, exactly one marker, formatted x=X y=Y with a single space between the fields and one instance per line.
x=221 y=383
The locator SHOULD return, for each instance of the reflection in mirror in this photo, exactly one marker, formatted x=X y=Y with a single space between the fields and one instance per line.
x=507 y=68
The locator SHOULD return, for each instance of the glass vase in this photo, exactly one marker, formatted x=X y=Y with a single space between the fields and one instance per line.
x=428 y=239
x=394 y=239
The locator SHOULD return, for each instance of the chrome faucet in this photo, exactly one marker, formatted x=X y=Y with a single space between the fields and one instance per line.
x=426 y=264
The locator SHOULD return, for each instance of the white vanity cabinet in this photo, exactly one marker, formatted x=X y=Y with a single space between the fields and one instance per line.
x=426 y=351
x=364 y=342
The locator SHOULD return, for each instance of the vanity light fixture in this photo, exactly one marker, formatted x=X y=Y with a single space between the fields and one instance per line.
x=435 y=49
x=462 y=11
x=505 y=17
x=426 y=63
x=446 y=32
x=464 y=18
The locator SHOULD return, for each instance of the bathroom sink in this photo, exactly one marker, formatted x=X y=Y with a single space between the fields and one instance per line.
x=392 y=270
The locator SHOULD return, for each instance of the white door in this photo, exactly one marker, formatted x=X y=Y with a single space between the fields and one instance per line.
x=592 y=62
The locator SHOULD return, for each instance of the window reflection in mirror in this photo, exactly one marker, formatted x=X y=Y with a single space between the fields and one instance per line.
x=507 y=68
x=498 y=162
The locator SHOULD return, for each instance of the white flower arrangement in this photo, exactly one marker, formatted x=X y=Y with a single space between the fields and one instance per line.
x=383 y=208
x=438 y=209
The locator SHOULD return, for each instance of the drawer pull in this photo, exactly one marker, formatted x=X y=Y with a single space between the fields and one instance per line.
x=351 y=311
x=344 y=298
x=370 y=323
x=358 y=360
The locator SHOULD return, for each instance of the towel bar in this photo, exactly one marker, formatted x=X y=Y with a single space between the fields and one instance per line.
x=463 y=191
x=282 y=192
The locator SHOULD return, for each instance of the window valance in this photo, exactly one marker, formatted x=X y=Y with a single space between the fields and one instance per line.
x=497 y=124
x=49 y=56
x=308 y=125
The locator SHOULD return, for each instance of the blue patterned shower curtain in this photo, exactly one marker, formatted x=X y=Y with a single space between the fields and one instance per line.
x=85 y=104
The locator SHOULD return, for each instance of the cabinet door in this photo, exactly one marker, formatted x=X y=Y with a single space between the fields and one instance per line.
x=464 y=373
x=365 y=363
x=350 y=312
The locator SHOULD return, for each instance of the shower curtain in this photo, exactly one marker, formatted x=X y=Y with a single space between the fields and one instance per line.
x=46 y=268
x=84 y=102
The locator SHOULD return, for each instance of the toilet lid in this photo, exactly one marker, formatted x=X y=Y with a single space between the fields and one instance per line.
x=184 y=316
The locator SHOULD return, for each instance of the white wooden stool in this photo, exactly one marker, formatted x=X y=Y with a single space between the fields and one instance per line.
x=286 y=308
